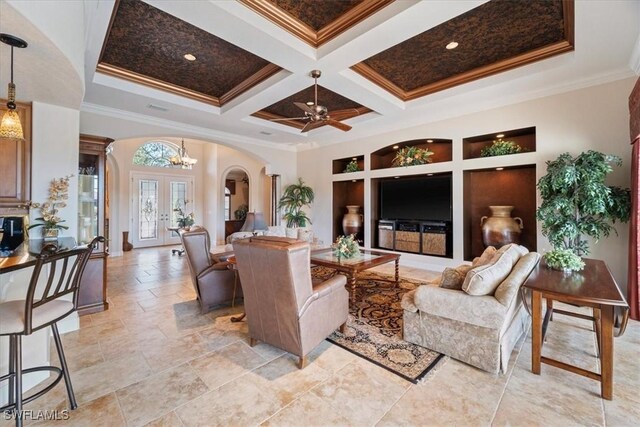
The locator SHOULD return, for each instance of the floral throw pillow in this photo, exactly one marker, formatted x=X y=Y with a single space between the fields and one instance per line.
x=453 y=278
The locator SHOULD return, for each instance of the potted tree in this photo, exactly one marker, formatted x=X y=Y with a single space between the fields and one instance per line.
x=577 y=203
x=294 y=198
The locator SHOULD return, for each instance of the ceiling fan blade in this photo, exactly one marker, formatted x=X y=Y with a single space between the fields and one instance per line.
x=344 y=114
x=337 y=124
x=312 y=125
x=304 y=107
x=288 y=118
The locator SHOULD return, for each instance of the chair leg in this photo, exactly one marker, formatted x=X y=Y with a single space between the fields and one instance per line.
x=343 y=328
x=302 y=362
x=596 y=327
x=252 y=342
x=12 y=370
x=63 y=365
x=17 y=354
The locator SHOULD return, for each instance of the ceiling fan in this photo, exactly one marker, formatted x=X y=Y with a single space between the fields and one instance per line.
x=318 y=115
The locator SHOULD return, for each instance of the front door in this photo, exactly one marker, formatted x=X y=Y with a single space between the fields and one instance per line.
x=155 y=198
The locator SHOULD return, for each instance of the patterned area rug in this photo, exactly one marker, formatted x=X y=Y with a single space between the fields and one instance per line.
x=374 y=329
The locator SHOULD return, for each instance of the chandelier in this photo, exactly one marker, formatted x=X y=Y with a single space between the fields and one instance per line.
x=183 y=159
x=10 y=126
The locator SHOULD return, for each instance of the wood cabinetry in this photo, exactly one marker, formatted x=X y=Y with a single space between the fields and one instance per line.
x=15 y=164
x=91 y=221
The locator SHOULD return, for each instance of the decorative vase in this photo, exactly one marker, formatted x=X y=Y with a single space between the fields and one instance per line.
x=50 y=234
x=500 y=229
x=352 y=220
x=126 y=246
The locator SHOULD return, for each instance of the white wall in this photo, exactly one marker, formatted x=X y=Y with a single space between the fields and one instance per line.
x=54 y=154
x=594 y=118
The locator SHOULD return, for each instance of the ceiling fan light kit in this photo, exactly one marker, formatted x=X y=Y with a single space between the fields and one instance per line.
x=316 y=115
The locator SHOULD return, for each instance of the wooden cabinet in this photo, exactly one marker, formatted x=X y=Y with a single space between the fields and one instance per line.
x=15 y=164
x=91 y=221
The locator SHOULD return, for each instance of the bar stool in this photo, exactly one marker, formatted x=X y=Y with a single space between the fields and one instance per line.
x=23 y=317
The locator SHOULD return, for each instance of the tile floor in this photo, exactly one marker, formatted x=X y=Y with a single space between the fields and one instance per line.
x=152 y=359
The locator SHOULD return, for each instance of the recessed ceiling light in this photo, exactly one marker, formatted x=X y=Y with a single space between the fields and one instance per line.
x=500 y=135
x=265 y=133
x=429 y=141
x=452 y=45
x=353 y=180
x=354 y=158
x=396 y=177
x=499 y=169
x=189 y=57
x=429 y=174
x=395 y=147
x=309 y=103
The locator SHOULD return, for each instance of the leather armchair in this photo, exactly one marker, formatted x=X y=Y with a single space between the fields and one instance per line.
x=283 y=307
x=214 y=282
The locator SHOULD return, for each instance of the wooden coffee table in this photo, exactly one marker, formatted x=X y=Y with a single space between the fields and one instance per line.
x=352 y=266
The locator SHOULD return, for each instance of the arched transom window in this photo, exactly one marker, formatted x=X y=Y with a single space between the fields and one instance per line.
x=155 y=153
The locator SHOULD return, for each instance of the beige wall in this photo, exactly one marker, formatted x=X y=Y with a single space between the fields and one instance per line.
x=593 y=118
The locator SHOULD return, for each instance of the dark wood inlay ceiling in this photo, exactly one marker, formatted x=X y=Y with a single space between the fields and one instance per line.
x=147 y=45
x=494 y=37
x=340 y=108
x=315 y=21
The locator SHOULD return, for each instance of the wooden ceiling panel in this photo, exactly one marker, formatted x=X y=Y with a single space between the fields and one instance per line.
x=498 y=35
x=316 y=22
x=147 y=45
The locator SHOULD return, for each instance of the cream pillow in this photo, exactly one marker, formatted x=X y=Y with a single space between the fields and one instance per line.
x=485 y=279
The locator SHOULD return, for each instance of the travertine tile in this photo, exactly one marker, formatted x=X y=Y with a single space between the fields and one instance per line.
x=144 y=401
x=78 y=357
x=222 y=366
x=359 y=396
x=168 y=420
x=173 y=352
x=103 y=411
x=240 y=402
x=92 y=334
x=309 y=410
x=130 y=343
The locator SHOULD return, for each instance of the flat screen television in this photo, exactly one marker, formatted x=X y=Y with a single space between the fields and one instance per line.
x=425 y=198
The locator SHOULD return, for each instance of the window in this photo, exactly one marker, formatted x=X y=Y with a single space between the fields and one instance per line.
x=155 y=153
x=227 y=204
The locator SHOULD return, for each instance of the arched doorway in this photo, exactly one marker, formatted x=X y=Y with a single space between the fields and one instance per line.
x=236 y=200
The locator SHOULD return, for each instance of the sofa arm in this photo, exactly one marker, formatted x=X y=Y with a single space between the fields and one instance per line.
x=333 y=284
x=484 y=311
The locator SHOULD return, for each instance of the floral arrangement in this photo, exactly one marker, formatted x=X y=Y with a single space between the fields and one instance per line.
x=564 y=259
x=183 y=220
x=410 y=156
x=58 y=196
x=352 y=166
x=500 y=148
x=346 y=246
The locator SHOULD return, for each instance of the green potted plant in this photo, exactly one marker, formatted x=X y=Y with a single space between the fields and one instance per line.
x=411 y=156
x=500 y=148
x=577 y=203
x=294 y=198
x=241 y=212
x=564 y=260
x=51 y=221
x=352 y=166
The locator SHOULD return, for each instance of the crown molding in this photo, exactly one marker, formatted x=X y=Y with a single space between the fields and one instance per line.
x=237 y=141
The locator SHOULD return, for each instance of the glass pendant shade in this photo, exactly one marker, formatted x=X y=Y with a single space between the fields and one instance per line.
x=10 y=126
x=183 y=159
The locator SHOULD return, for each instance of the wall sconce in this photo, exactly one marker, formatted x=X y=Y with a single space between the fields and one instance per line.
x=10 y=126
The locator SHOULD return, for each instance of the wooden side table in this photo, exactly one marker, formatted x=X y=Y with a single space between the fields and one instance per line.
x=593 y=287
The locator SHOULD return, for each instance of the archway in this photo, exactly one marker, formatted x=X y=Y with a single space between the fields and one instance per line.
x=236 y=199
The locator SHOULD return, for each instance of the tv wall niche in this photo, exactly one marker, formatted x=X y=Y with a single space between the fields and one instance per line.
x=415 y=213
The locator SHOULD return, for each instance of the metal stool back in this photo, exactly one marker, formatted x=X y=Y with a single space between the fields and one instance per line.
x=61 y=272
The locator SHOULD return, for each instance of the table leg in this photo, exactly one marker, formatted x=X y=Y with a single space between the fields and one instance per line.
x=238 y=318
x=606 y=351
x=351 y=283
x=536 y=333
x=397 y=271
x=596 y=328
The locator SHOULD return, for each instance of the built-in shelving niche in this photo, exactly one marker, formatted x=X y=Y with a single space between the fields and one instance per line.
x=382 y=158
x=339 y=165
x=526 y=138
x=511 y=186
x=348 y=192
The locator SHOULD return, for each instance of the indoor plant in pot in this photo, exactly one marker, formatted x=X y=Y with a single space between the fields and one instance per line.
x=294 y=198
x=577 y=203
x=51 y=221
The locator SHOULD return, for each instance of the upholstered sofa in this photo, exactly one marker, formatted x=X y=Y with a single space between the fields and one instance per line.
x=480 y=323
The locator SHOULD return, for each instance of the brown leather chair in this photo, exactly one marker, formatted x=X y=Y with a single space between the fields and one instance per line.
x=214 y=282
x=283 y=308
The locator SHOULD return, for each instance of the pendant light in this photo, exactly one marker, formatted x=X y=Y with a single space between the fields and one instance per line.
x=10 y=126
x=183 y=159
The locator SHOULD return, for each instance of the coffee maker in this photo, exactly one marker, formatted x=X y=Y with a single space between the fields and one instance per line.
x=12 y=233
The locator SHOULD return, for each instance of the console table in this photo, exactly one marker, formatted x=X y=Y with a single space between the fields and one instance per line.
x=592 y=287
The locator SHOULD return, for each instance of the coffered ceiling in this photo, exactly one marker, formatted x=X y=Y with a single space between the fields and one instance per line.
x=384 y=63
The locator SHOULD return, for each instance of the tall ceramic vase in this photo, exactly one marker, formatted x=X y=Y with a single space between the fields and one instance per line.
x=352 y=220
x=500 y=228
